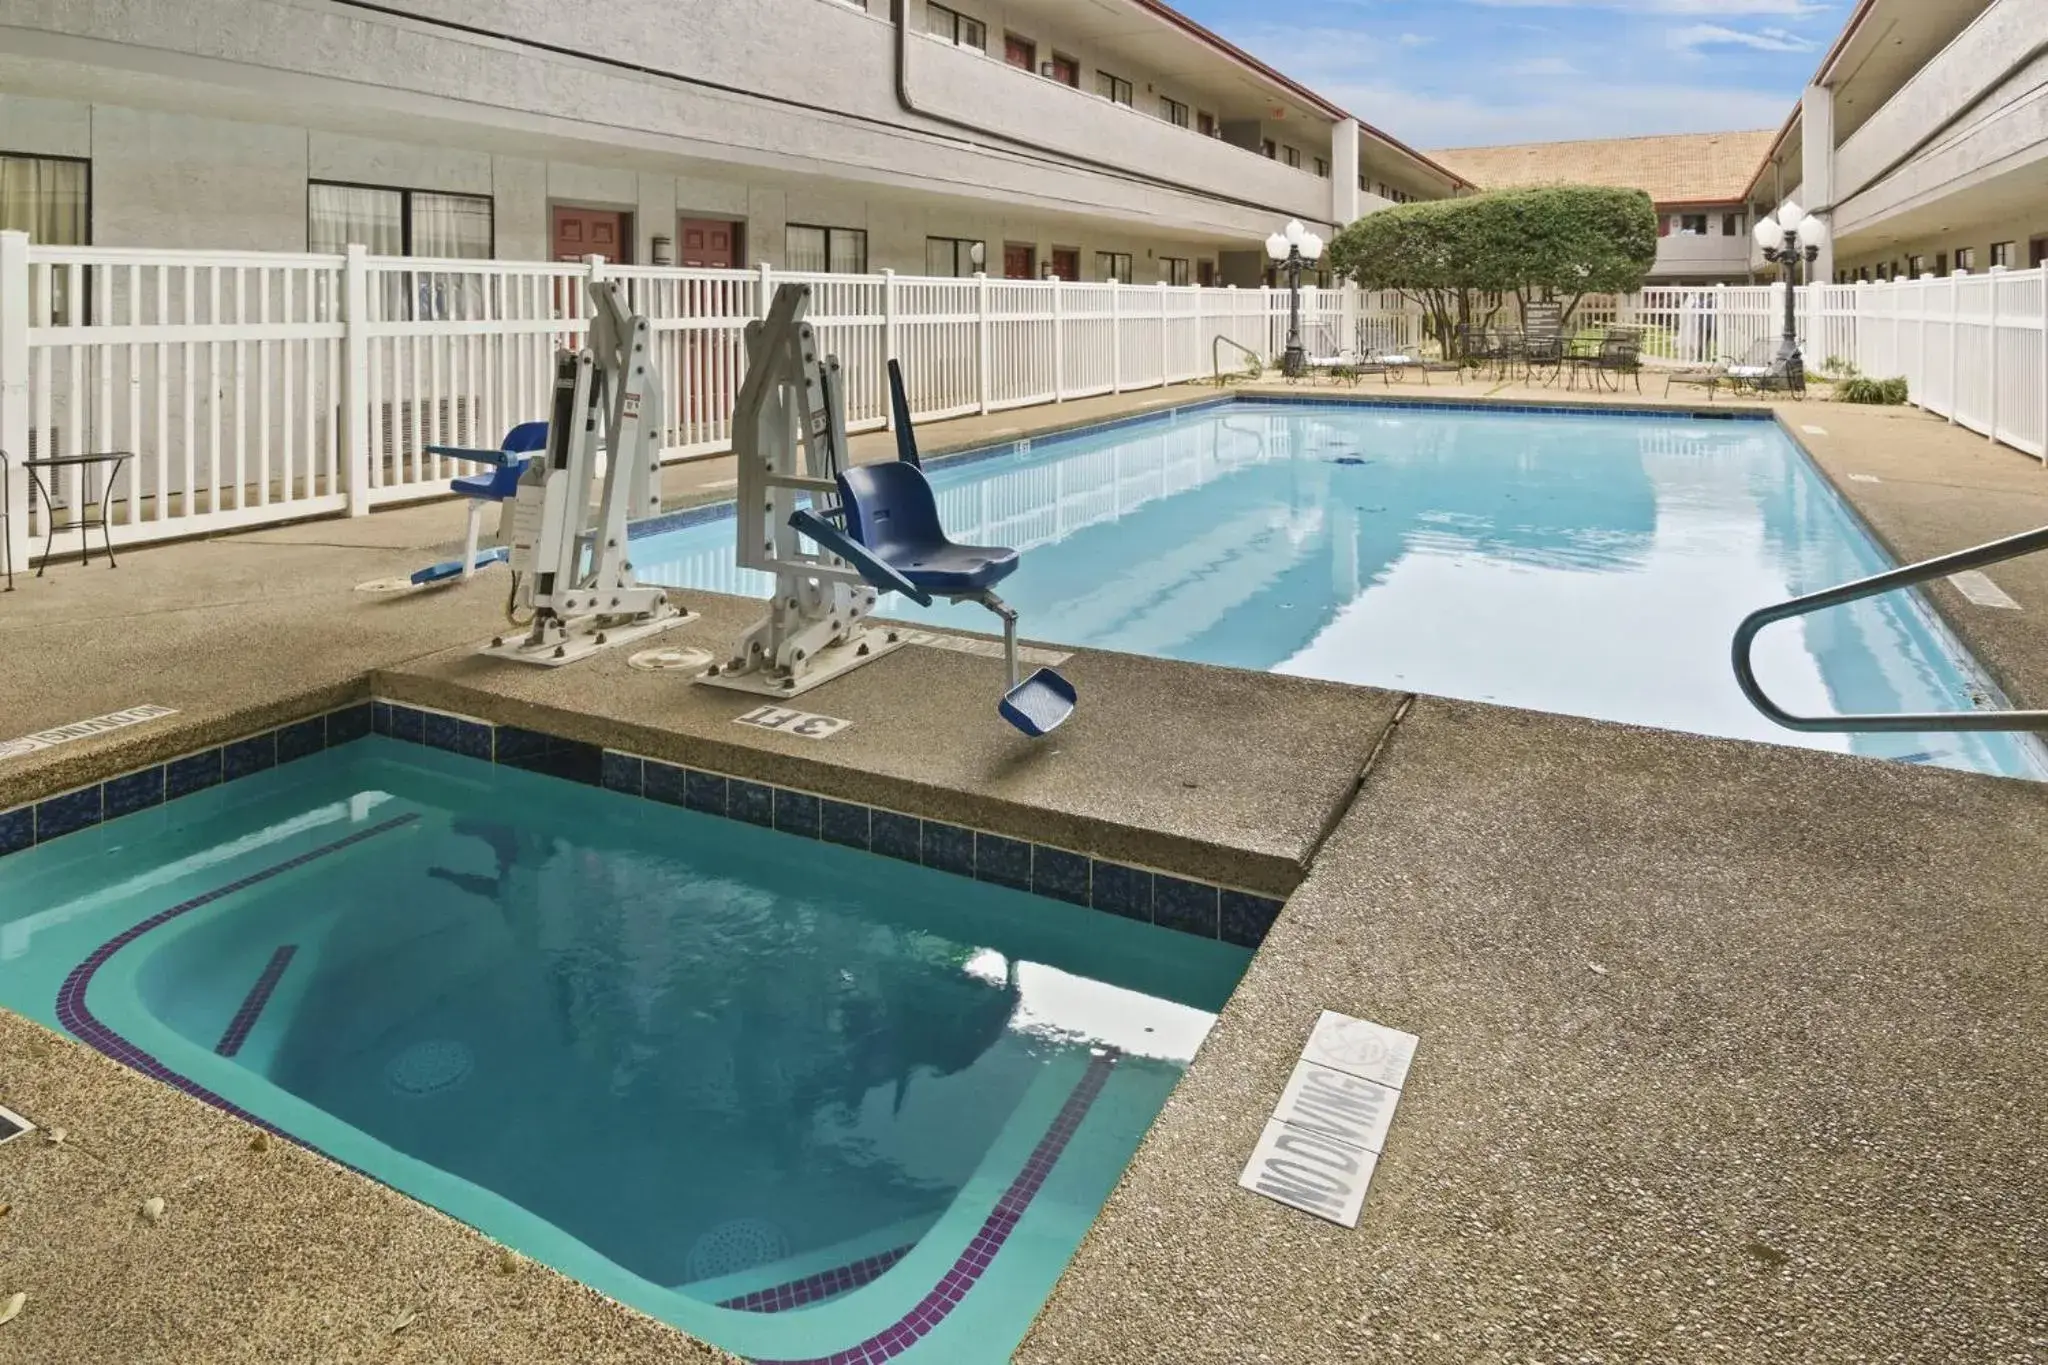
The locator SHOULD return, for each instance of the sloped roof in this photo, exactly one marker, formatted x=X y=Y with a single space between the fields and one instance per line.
x=1683 y=168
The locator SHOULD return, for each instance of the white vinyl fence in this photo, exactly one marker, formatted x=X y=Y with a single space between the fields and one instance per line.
x=258 y=388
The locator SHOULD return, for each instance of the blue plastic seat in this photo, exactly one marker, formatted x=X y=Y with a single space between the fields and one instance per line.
x=502 y=483
x=891 y=511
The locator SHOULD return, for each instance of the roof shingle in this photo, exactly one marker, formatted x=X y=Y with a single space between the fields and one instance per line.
x=1680 y=168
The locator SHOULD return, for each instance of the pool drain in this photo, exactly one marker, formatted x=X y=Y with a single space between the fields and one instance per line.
x=734 y=1246
x=429 y=1067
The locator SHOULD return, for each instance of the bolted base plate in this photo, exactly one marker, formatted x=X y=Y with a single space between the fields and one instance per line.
x=821 y=667
x=584 y=639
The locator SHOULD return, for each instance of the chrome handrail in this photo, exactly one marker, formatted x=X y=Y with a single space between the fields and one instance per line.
x=2012 y=547
x=1216 y=356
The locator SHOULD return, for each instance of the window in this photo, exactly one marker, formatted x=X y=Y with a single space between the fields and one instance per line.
x=1692 y=225
x=1322 y=168
x=1174 y=269
x=1731 y=225
x=1941 y=263
x=1113 y=265
x=2001 y=253
x=1115 y=89
x=1916 y=266
x=1173 y=111
x=1063 y=69
x=1966 y=258
x=1292 y=156
x=398 y=222
x=49 y=198
x=951 y=256
x=1205 y=124
x=46 y=197
x=841 y=251
x=955 y=28
x=1269 y=147
x=1019 y=52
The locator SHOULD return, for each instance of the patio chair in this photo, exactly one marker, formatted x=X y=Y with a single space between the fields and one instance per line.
x=1621 y=353
x=1710 y=378
x=1760 y=370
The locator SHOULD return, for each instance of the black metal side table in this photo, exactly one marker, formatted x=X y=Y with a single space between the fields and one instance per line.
x=107 y=460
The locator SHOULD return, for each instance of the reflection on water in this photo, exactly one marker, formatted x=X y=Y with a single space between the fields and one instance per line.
x=1590 y=566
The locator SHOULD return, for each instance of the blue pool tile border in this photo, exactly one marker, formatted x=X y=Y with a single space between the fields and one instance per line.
x=1149 y=895
x=1364 y=400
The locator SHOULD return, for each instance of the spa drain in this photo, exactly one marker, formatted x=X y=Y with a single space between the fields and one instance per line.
x=429 y=1067
x=731 y=1247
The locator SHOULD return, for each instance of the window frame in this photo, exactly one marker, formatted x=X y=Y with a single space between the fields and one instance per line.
x=1056 y=60
x=405 y=194
x=2002 y=253
x=1113 y=257
x=1290 y=156
x=1916 y=266
x=1206 y=125
x=1029 y=44
x=828 y=230
x=1178 y=271
x=1322 y=168
x=962 y=247
x=1119 y=90
x=1175 y=112
x=84 y=161
x=1731 y=225
x=957 y=19
x=1269 y=149
x=1685 y=222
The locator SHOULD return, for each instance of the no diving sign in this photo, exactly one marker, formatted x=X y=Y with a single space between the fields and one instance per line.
x=1318 y=1149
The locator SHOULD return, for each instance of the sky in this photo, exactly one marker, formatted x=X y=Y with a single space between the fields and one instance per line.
x=1457 y=73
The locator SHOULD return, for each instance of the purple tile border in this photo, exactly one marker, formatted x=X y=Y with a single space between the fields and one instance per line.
x=974 y=1262
x=815 y=1288
x=252 y=1006
x=74 y=1015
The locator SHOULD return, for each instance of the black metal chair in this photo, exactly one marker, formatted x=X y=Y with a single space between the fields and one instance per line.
x=1621 y=353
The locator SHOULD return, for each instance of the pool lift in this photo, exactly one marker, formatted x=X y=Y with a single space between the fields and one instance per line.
x=871 y=529
x=573 y=585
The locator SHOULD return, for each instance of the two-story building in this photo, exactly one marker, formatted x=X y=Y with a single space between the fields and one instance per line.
x=1698 y=181
x=1089 y=139
x=1922 y=140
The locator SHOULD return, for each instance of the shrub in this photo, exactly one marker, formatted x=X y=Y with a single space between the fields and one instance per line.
x=1863 y=389
x=1460 y=260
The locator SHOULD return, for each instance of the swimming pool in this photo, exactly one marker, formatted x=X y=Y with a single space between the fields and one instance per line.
x=790 y=1095
x=1587 y=564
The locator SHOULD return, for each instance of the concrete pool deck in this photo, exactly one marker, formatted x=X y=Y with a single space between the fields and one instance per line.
x=1792 y=1117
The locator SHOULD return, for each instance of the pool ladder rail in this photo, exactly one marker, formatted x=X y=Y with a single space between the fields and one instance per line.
x=1992 y=552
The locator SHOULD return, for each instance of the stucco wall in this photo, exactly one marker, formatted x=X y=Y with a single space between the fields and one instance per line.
x=178 y=180
x=1978 y=237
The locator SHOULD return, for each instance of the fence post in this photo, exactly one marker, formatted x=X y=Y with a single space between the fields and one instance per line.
x=14 y=390
x=767 y=299
x=2043 y=274
x=1059 y=341
x=1992 y=368
x=981 y=337
x=1116 y=336
x=1955 y=326
x=355 y=377
x=1164 y=347
x=888 y=339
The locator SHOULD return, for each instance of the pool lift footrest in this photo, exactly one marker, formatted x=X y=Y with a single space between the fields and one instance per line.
x=1941 y=566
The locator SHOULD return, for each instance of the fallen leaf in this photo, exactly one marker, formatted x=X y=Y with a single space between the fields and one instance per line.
x=261 y=1142
x=11 y=1310
x=508 y=1261
x=1596 y=969
x=404 y=1320
x=4 y=1209
x=55 y=1137
x=153 y=1209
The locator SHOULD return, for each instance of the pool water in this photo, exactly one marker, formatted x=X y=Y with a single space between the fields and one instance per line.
x=779 y=1093
x=1586 y=565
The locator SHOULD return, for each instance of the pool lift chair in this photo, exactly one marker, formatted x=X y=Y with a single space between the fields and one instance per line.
x=872 y=529
x=573 y=586
x=495 y=487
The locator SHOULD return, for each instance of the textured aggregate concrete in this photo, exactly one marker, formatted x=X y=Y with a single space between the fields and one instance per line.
x=261 y=1257
x=1796 y=1119
x=1728 y=1053
x=1214 y=773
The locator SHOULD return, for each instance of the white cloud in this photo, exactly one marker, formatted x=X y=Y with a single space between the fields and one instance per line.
x=1696 y=36
x=1416 y=39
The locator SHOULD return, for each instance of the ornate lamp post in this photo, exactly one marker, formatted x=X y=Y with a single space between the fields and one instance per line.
x=1788 y=236
x=1292 y=249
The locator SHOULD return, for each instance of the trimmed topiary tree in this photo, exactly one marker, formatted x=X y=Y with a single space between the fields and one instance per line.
x=1461 y=260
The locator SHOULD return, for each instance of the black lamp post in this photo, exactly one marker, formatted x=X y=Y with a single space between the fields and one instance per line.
x=1787 y=237
x=1292 y=250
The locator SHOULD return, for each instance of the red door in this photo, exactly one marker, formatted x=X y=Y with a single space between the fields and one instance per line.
x=1066 y=263
x=1020 y=261
x=708 y=243
x=1020 y=52
x=593 y=232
